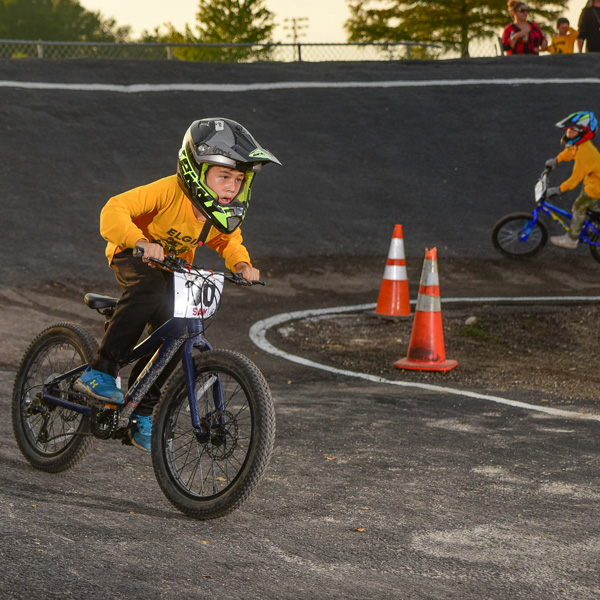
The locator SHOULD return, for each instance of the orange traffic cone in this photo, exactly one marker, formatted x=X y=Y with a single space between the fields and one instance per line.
x=393 y=301
x=426 y=348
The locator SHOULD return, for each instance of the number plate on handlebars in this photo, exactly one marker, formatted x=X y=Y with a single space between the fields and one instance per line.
x=197 y=294
x=540 y=190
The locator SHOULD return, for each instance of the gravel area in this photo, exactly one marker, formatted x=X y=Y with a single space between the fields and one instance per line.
x=547 y=349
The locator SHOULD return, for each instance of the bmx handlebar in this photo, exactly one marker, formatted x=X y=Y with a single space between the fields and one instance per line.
x=178 y=264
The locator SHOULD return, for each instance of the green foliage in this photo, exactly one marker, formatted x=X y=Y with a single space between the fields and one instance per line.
x=223 y=22
x=453 y=23
x=56 y=20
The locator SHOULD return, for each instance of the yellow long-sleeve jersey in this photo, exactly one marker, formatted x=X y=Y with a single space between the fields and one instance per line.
x=586 y=168
x=160 y=212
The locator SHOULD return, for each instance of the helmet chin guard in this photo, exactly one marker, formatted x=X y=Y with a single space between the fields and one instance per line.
x=219 y=142
x=585 y=123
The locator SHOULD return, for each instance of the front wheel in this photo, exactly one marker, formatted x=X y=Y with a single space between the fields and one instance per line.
x=52 y=438
x=209 y=474
x=518 y=236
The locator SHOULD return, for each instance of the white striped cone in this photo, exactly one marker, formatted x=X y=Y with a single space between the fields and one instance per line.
x=393 y=298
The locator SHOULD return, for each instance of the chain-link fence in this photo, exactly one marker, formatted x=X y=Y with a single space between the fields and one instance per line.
x=243 y=52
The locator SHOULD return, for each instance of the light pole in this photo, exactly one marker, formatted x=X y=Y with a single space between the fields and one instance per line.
x=297 y=27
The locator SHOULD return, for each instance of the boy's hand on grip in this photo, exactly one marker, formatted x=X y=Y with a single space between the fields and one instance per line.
x=553 y=191
x=151 y=250
x=249 y=273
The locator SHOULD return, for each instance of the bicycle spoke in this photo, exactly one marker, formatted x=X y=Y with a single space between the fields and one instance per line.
x=207 y=468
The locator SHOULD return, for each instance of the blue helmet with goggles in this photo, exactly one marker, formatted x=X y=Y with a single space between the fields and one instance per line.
x=584 y=122
x=219 y=142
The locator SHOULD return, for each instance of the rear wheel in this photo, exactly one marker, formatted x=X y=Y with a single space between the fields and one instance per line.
x=52 y=438
x=211 y=474
x=517 y=236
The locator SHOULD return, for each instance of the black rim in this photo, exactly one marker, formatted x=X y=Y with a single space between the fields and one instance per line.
x=50 y=429
x=208 y=466
x=509 y=236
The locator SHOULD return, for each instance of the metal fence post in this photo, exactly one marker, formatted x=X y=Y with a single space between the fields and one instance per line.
x=299 y=53
x=407 y=51
x=169 y=53
x=40 y=49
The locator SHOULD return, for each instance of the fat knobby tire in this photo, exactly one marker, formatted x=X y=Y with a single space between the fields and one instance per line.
x=240 y=476
x=75 y=336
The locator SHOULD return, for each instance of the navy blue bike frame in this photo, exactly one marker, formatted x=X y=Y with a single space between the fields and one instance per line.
x=164 y=342
x=551 y=210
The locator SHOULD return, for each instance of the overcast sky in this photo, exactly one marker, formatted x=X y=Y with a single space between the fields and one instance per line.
x=325 y=17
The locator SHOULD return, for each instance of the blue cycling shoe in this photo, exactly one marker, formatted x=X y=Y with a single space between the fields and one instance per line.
x=99 y=385
x=142 y=432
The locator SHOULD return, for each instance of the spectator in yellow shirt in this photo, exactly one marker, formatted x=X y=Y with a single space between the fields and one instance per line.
x=563 y=41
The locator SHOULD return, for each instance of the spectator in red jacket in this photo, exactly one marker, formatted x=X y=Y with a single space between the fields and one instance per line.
x=522 y=36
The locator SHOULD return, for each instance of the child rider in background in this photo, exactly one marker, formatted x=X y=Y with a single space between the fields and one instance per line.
x=205 y=202
x=580 y=128
x=564 y=40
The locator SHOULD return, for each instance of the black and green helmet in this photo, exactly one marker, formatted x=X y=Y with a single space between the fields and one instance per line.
x=223 y=142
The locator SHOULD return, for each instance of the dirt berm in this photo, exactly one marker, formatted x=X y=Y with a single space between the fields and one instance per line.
x=446 y=150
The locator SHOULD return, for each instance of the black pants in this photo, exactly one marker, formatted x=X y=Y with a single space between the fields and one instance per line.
x=147 y=299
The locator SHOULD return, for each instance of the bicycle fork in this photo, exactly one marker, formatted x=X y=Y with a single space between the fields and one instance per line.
x=213 y=382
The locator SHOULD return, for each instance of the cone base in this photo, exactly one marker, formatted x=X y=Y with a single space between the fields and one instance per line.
x=446 y=365
x=403 y=317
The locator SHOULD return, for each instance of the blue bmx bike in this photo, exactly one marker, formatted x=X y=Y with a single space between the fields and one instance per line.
x=213 y=428
x=522 y=235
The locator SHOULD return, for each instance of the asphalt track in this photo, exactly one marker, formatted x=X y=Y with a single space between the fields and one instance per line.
x=373 y=492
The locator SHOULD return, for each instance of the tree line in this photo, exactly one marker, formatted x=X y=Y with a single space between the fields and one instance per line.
x=450 y=23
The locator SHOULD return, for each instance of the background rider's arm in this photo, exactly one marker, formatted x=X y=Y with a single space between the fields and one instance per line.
x=578 y=173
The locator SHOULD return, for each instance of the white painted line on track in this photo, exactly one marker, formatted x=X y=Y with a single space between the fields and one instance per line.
x=258 y=333
x=139 y=88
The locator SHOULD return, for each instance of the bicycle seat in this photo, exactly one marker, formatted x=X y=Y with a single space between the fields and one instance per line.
x=98 y=301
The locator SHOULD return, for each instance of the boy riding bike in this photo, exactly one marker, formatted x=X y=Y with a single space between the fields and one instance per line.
x=205 y=202
x=580 y=128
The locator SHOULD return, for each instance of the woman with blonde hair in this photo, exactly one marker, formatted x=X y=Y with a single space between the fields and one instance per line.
x=522 y=36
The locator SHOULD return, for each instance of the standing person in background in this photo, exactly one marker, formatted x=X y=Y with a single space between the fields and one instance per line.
x=522 y=36
x=563 y=41
x=589 y=27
